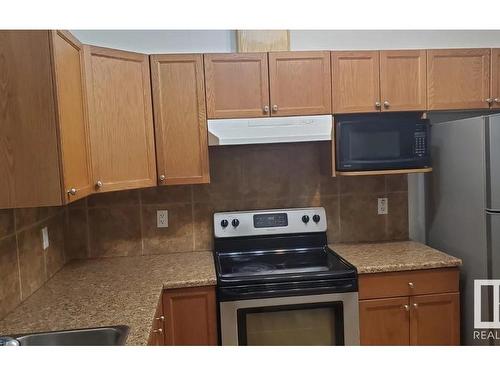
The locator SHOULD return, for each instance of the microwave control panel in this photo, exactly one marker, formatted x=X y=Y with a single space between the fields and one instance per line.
x=420 y=144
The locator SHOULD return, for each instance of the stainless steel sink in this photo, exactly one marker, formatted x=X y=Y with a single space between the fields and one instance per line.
x=113 y=335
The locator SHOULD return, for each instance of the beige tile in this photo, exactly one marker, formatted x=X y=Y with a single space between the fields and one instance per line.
x=178 y=237
x=362 y=184
x=114 y=231
x=115 y=198
x=226 y=180
x=10 y=294
x=331 y=205
x=31 y=258
x=359 y=220
x=266 y=171
x=80 y=203
x=166 y=194
x=54 y=254
x=76 y=239
x=28 y=216
x=397 y=218
x=397 y=182
x=6 y=222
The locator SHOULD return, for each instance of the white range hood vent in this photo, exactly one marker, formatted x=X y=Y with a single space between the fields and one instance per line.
x=245 y=131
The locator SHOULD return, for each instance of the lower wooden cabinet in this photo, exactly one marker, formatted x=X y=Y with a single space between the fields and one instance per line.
x=185 y=316
x=157 y=333
x=384 y=322
x=408 y=318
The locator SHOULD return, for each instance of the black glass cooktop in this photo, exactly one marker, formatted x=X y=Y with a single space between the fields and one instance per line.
x=281 y=264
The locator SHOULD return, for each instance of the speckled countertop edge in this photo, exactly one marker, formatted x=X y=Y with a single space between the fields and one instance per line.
x=393 y=256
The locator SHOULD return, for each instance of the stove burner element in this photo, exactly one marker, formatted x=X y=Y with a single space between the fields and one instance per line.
x=253 y=268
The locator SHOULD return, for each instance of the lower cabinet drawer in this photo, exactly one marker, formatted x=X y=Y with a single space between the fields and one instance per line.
x=408 y=283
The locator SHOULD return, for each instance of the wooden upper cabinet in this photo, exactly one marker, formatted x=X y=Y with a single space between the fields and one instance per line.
x=180 y=119
x=29 y=160
x=384 y=321
x=458 y=78
x=190 y=316
x=72 y=117
x=495 y=78
x=355 y=77
x=120 y=119
x=43 y=132
x=403 y=80
x=300 y=83
x=435 y=319
x=236 y=85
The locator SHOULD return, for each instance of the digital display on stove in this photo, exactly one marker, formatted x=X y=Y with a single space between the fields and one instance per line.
x=270 y=220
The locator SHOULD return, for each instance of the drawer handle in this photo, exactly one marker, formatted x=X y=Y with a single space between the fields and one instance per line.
x=411 y=285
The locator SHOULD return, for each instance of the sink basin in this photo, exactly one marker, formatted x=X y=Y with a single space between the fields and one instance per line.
x=113 y=335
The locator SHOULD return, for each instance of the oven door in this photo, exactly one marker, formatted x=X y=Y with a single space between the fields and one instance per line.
x=381 y=143
x=325 y=319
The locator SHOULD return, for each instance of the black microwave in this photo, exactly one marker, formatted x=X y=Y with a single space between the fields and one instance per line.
x=382 y=141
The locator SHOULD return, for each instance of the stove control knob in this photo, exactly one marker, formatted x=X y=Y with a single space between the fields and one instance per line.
x=224 y=223
x=235 y=222
x=305 y=219
x=316 y=218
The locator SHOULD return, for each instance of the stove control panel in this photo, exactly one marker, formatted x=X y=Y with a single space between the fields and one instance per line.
x=265 y=222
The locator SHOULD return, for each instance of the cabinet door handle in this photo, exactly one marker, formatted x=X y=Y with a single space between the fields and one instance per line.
x=496 y=100
x=275 y=108
x=377 y=105
x=98 y=184
x=72 y=191
x=489 y=100
x=159 y=330
x=406 y=307
x=160 y=318
x=266 y=109
x=162 y=177
x=415 y=305
x=386 y=104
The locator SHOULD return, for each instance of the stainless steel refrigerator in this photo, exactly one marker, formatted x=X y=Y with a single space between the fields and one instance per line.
x=463 y=213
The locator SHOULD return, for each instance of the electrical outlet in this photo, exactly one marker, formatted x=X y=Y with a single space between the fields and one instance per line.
x=162 y=218
x=45 y=238
x=383 y=207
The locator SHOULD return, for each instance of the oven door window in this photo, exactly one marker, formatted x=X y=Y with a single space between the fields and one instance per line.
x=307 y=324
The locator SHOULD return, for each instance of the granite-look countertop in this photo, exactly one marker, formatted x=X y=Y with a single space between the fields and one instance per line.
x=109 y=291
x=393 y=256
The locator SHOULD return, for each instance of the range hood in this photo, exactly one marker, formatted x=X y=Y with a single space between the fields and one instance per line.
x=245 y=131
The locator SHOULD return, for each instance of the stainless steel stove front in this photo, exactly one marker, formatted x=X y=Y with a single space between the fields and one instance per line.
x=235 y=325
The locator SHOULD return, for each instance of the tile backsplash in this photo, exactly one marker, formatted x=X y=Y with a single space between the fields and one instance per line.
x=242 y=177
x=24 y=265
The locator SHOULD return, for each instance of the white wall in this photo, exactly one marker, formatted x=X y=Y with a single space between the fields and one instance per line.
x=388 y=39
x=170 y=41
x=161 y=41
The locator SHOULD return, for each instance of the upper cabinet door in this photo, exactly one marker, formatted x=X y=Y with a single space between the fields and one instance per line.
x=300 y=83
x=495 y=78
x=72 y=117
x=403 y=80
x=458 y=78
x=120 y=119
x=180 y=119
x=355 y=81
x=237 y=85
